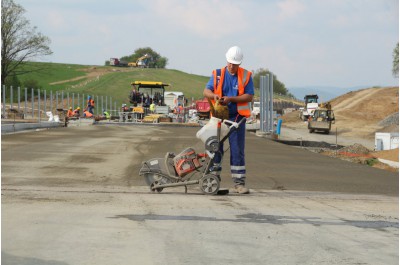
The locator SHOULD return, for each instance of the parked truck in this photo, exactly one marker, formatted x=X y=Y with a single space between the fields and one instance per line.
x=310 y=104
x=117 y=62
x=203 y=108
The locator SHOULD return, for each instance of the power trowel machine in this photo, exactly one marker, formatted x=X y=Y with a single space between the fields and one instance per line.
x=189 y=167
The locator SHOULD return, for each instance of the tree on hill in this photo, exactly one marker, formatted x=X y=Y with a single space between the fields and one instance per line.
x=19 y=41
x=155 y=60
x=395 y=69
x=279 y=87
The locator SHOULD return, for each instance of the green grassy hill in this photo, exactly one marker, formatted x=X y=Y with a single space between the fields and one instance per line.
x=109 y=80
x=114 y=81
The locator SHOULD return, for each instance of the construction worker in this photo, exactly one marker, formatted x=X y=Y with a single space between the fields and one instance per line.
x=134 y=96
x=77 y=112
x=87 y=114
x=124 y=108
x=106 y=114
x=90 y=104
x=152 y=107
x=70 y=112
x=233 y=86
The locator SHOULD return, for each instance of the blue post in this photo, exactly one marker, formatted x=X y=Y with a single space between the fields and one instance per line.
x=278 y=127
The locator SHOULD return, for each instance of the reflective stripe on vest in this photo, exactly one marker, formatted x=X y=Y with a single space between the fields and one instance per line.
x=243 y=108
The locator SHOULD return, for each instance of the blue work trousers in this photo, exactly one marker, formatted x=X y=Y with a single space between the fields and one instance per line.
x=236 y=142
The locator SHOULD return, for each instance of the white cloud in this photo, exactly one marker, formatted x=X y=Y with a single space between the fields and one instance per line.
x=215 y=19
x=290 y=9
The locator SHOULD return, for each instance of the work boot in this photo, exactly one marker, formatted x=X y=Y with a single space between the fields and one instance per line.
x=241 y=189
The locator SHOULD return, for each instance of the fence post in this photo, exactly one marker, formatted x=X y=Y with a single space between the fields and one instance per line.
x=51 y=101
x=83 y=102
x=106 y=103
x=19 y=98
x=73 y=100
x=45 y=101
x=38 y=105
x=4 y=101
x=26 y=100
x=56 y=99
x=271 y=102
x=110 y=104
x=33 y=102
x=62 y=99
x=102 y=103
x=11 y=97
x=97 y=102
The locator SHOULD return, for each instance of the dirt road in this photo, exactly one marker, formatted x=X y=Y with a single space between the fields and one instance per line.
x=112 y=155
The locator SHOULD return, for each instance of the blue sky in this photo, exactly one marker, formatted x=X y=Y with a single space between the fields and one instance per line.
x=342 y=43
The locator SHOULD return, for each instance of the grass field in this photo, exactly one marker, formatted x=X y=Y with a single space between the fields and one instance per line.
x=109 y=80
x=112 y=81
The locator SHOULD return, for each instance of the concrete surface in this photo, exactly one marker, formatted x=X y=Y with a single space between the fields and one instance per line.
x=331 y=138
x=73 y=196
x=23 y=126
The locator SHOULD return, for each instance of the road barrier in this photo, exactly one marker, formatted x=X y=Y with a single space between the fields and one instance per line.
x=34 y=103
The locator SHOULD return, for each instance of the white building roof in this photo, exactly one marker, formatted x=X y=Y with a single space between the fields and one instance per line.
x=173 y=93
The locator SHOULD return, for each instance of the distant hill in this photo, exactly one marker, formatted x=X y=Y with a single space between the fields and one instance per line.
x=110 y=80
x=361 y=113
x=325 y=93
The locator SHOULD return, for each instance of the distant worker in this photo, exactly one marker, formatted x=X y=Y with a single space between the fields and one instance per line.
x=106 y=114
x=77 y=112
x=233 y=86
x=87 y=114
x=124 y=108
x=152 y=107
x=70 y=113
x=134 y=96
x=90 y=104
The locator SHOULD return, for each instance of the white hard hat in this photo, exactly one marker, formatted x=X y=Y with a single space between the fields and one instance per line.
x=234 y=55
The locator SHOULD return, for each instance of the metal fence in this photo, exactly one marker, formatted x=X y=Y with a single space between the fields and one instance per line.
x=266 y=103
x=34 y=103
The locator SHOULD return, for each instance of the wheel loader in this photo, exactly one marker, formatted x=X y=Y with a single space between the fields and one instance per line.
x=321 y=119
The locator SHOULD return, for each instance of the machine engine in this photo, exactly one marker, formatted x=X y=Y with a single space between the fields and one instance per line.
x=185 y=162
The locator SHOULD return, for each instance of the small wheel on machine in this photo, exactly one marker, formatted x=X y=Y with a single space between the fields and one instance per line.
x=209 y=184
x=159 y=190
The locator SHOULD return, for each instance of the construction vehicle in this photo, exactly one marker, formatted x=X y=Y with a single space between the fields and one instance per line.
x=203 y=108
x=310 y=104
x=321 y=119
x=141 y=62
x=118 y=62
x=150 y=91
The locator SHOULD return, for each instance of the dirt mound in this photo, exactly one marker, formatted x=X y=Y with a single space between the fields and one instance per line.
x=356 y=149
x=361 y=113
x=359 y=154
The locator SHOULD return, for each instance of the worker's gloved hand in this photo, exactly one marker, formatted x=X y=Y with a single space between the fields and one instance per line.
x=224 y=100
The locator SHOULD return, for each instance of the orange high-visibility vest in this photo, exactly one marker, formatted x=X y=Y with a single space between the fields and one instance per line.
x=91 y=102
x=88 y=114
x=244 y=76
